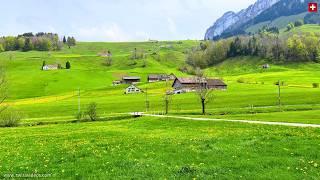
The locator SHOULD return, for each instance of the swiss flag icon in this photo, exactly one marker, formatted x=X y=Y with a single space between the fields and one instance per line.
x=313 y=7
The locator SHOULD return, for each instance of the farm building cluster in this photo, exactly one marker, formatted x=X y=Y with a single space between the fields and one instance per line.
x=180 y=84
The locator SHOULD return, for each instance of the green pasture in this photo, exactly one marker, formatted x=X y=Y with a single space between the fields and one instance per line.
x=161 y=148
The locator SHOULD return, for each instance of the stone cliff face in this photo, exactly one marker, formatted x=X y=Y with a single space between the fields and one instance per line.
x=232 y=20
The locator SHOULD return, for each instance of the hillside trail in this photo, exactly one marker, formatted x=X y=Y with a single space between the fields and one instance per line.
x=240 y=121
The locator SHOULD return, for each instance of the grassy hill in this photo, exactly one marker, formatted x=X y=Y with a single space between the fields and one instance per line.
x=52 y=95
x=280 y=23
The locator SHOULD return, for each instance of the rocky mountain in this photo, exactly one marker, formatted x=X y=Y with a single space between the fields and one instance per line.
x=233 y=20
x=270 y=13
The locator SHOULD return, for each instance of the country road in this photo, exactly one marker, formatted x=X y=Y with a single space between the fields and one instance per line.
x=240 y=121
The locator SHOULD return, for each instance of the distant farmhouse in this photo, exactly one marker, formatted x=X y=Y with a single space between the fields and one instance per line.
x=116 y=83
x=191 y=84
x=132 y=89
x=50 y=67
x=265 y=66
x=130 y=80
x=160 y=77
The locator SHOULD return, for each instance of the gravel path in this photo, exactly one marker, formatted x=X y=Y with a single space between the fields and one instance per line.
x=241 y=121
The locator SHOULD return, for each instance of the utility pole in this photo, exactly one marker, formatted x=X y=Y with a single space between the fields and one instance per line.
x=79 y=102
x=279 y=95
x=147 y=101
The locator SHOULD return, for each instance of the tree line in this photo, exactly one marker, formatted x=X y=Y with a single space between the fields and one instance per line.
x=39 y=42
x=278 y=48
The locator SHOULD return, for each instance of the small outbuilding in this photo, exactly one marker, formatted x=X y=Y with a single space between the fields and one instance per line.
x=116 y=83
x=50 y=67
x=132 y=89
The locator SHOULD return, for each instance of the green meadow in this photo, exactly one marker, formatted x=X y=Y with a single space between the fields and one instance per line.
x=43 y=95
x=119 y=146
x=161 y=148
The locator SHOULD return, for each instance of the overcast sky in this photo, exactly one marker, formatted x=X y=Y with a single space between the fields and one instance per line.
x=115 y=20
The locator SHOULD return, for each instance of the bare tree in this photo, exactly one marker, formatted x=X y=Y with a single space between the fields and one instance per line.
x=202 y=90
x=3 y=90
x=109 y=58
x=167 y=101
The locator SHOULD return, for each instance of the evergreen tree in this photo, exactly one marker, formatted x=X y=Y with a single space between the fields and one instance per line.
x=68 y=65
x=64 y=40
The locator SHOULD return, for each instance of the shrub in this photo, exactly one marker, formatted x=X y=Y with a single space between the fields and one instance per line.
x=9 y=119
x=240 y=80
x=298 y=23
x=187 y=170
x=79 y=116
x=92 y=111
x=315 y=85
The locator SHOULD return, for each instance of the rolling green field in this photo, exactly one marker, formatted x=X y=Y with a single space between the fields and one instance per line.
x=161 y=148
x=53 y=95
x=119 y=146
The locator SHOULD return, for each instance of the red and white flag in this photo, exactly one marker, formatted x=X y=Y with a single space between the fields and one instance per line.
x=313 y=7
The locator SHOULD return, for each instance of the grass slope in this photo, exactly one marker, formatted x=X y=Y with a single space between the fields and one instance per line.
x=45 y=95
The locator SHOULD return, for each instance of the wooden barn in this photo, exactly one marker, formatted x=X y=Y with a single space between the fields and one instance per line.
x=130 y=80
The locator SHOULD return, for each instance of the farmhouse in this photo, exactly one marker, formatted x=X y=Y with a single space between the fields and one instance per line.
x=50 y=67
x=132 y=89
x=191 y=84
x=130 y=80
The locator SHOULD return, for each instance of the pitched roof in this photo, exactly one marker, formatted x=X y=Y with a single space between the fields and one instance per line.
x=51 y=65
x=209 y=82
x=157 y=76
x=189 y=80
x=130 y=78
x=215 y=82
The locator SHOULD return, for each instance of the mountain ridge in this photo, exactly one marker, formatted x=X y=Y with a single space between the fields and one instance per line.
x=230 y=18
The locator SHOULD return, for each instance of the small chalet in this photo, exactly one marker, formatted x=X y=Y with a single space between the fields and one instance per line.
x=130 y=80
x=265 y=66
x=191 y=84
x=132 y=89
x=116 y=83
x=50 y=67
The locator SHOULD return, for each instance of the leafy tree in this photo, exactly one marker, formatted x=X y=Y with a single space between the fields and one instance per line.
x=92 y=111
x=28 y=45
x=204 y=94
x=71 y=41
x=298 y=23
x=296 y=48
x=290 y=26
x=1 y=48
x=196 y=58
x=10 y=43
